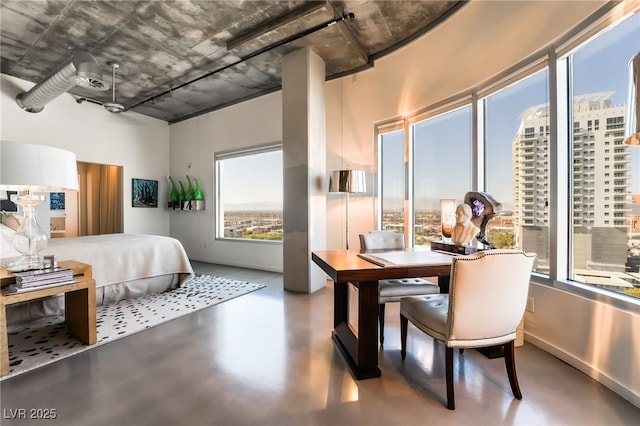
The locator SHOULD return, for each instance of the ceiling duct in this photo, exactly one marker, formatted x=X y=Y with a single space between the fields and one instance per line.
x=81 y=70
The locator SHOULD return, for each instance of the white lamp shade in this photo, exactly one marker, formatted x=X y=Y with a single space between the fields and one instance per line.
x=37 y=167
x=347 y=181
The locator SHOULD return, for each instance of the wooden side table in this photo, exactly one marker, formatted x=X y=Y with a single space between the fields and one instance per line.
x=79 y=305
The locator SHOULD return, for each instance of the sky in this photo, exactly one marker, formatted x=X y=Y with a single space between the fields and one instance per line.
x=253 y=181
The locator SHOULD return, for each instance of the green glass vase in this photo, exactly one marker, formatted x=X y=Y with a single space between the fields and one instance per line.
x=197 y=192
x=182 y=195
x=174 y=196
x=189 y=194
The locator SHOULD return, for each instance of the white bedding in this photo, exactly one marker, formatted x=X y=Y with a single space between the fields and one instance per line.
x=119 y=258
x=124 y=266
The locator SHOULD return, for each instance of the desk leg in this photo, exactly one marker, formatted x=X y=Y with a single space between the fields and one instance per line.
x=360 y=351
x=340 y=303
x=4 y=342
x=80 y=314
x=368 y=327
x=443 y=283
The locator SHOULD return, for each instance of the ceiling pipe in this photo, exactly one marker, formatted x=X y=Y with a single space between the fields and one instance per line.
x=305 y=9
x=82 y=70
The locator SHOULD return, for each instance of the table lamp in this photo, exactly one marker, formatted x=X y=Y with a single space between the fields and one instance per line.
x=347 y=182
x=28 y=169
x=447 y=218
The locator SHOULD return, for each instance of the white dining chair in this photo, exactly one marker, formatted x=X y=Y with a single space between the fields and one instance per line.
x=487 y=298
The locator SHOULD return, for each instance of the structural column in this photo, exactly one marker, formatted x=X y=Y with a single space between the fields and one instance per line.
x=304 y=159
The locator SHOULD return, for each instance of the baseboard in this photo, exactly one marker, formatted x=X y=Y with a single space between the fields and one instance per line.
x=587 y=369
x=236 y=264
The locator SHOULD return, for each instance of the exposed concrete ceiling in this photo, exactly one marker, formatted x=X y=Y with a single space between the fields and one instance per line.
x=178 y=59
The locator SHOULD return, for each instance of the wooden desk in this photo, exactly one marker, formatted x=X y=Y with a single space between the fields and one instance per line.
x=360 y=349
x=79 y=306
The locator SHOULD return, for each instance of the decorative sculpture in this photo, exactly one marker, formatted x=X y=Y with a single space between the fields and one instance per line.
x=464 y=230
x=483 y=208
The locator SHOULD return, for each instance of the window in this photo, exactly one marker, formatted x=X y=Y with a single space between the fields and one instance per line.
x=605 y=252
x=392 y=178
x=523 y=222
x=249 y=194
x=441 y=168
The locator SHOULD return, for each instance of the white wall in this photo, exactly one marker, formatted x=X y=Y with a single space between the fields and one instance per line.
x=194 y=142
x=140 y=144
x=601 y=340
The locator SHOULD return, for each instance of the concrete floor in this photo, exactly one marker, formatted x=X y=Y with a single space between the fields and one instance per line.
x=267 y=358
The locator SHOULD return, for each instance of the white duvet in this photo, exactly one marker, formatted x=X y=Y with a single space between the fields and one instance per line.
x=118 y=258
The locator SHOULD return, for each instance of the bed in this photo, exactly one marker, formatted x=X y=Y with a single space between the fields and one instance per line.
x=125 y=266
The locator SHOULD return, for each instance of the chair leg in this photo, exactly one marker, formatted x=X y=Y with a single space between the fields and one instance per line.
x=451 y=405
x=510 y=363
x=381 y=320
x=404 y=324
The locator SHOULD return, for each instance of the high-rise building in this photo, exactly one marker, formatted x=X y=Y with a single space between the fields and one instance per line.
x=601 y=182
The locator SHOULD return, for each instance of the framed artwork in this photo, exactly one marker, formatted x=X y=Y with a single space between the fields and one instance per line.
x=56 y=201
x=144 y=193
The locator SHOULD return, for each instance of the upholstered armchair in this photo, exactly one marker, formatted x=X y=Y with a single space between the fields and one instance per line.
x=486 y=302
x=395 y=289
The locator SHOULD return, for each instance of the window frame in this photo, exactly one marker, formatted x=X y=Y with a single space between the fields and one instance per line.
x=556 y=58
x=388 y=126
x=218 y=211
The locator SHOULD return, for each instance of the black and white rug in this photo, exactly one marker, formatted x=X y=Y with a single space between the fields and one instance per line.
x=46 y=340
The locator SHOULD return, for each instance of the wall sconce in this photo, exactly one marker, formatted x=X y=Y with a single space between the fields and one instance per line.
x=632 y=129
x=28 y=169
x=347 y=182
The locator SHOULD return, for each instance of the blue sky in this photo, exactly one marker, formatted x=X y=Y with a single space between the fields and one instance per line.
x=254 y=179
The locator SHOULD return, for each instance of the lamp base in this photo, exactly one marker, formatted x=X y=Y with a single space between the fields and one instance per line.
x=28 y=263
x=28 y=239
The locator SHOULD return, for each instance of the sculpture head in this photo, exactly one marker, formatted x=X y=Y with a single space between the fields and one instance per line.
x=464 y=213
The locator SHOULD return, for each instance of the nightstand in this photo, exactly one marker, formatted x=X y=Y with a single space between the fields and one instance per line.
x=79 y=305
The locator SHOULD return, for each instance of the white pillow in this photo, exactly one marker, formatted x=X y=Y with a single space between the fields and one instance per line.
x=11 y=220
x=6 y=248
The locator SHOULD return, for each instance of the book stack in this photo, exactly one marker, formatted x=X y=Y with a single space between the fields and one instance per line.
x=33 y=280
